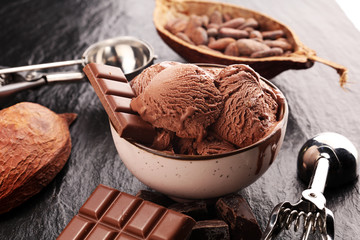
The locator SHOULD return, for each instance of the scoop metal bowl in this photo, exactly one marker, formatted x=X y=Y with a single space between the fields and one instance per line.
x=129 y=53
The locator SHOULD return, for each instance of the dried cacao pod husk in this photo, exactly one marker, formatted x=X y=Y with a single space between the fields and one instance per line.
x=301 y=57
x=35 y=144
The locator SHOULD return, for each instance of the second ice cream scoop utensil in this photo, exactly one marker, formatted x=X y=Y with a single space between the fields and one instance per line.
x=332 y=160
x=130 y=54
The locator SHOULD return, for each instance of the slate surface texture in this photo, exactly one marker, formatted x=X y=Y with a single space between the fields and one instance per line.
x=42 y=31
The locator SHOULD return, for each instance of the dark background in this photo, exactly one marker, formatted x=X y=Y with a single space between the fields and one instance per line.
x=42 y=31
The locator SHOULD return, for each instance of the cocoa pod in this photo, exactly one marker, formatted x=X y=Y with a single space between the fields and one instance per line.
x=35 y=144
x=199 y=36
x=221 y=43
x=274 y=34
x=299 y=57
x=234 y=23
x=232 y=50
x=233 y=33
x=267 y=53
x=249 y=46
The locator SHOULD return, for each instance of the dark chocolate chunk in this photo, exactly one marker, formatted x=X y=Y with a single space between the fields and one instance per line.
x=155 y=197
x=210 y=230
x=111 y=214
x=234 y=210
x=115 y=95
x=196 y=209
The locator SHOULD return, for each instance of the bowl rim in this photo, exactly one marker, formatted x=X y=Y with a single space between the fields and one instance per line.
x=186 y=157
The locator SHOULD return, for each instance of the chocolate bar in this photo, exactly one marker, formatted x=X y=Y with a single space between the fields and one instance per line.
x=115 y=94
x=111 y=214
x=234 y=210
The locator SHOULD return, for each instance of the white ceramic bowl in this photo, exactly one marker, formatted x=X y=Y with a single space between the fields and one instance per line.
x=186 y=177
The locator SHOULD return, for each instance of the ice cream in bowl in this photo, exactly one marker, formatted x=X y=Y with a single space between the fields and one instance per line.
x=194 y=131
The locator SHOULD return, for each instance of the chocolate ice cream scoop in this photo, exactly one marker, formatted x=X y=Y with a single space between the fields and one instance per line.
x=250 y=109
x=141 y=81
x=181 y=98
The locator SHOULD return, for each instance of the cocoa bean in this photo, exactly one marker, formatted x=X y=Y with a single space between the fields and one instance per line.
x=232 y=50
x=249 y=46
x=211 y=39
x=213 y=25
x=255 y=34
x=219 y=30
x=249 y=29
x=283 y=44
x=35 y=144
x=212 y=32
x=250 y=22
x=176 y=25
x=221 y=43
x=267 y=53
x=193 y=23
x=234 y=23
x=227 y=17
x=205 y=20
x=233 y=33
x=216 y=17
x=184 y=37
x=199 y=36
x=207 y=48
x=274 y=34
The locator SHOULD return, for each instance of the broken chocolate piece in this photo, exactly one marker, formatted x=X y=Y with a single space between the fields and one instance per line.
x=234 y=210
x=115 y=95
x=111 y=214
x=210 y=230
x=155 y=197
x=196 y=209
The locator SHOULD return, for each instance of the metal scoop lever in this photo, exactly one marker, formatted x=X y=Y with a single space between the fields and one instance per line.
x=14 y=82
x=326 y=154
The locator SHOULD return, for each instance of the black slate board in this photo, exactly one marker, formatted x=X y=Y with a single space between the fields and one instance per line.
x=41 y=31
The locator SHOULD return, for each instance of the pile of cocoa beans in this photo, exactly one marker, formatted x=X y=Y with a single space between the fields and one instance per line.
x=238 y=37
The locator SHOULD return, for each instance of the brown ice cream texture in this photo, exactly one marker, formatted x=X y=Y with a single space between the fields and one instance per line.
x=201 y=111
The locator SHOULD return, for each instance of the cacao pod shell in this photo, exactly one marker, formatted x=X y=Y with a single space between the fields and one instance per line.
x=35 y=144
x=301 y=57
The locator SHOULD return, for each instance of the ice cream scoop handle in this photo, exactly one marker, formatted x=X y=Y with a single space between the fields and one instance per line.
x=16 y=87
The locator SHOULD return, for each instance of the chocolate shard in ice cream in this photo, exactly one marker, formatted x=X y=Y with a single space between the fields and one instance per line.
x=115 y=95
x=249 y=111
x=181 y=98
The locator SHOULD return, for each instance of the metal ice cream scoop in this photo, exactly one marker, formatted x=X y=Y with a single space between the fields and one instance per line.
x=130 y=54
x=328 y=159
